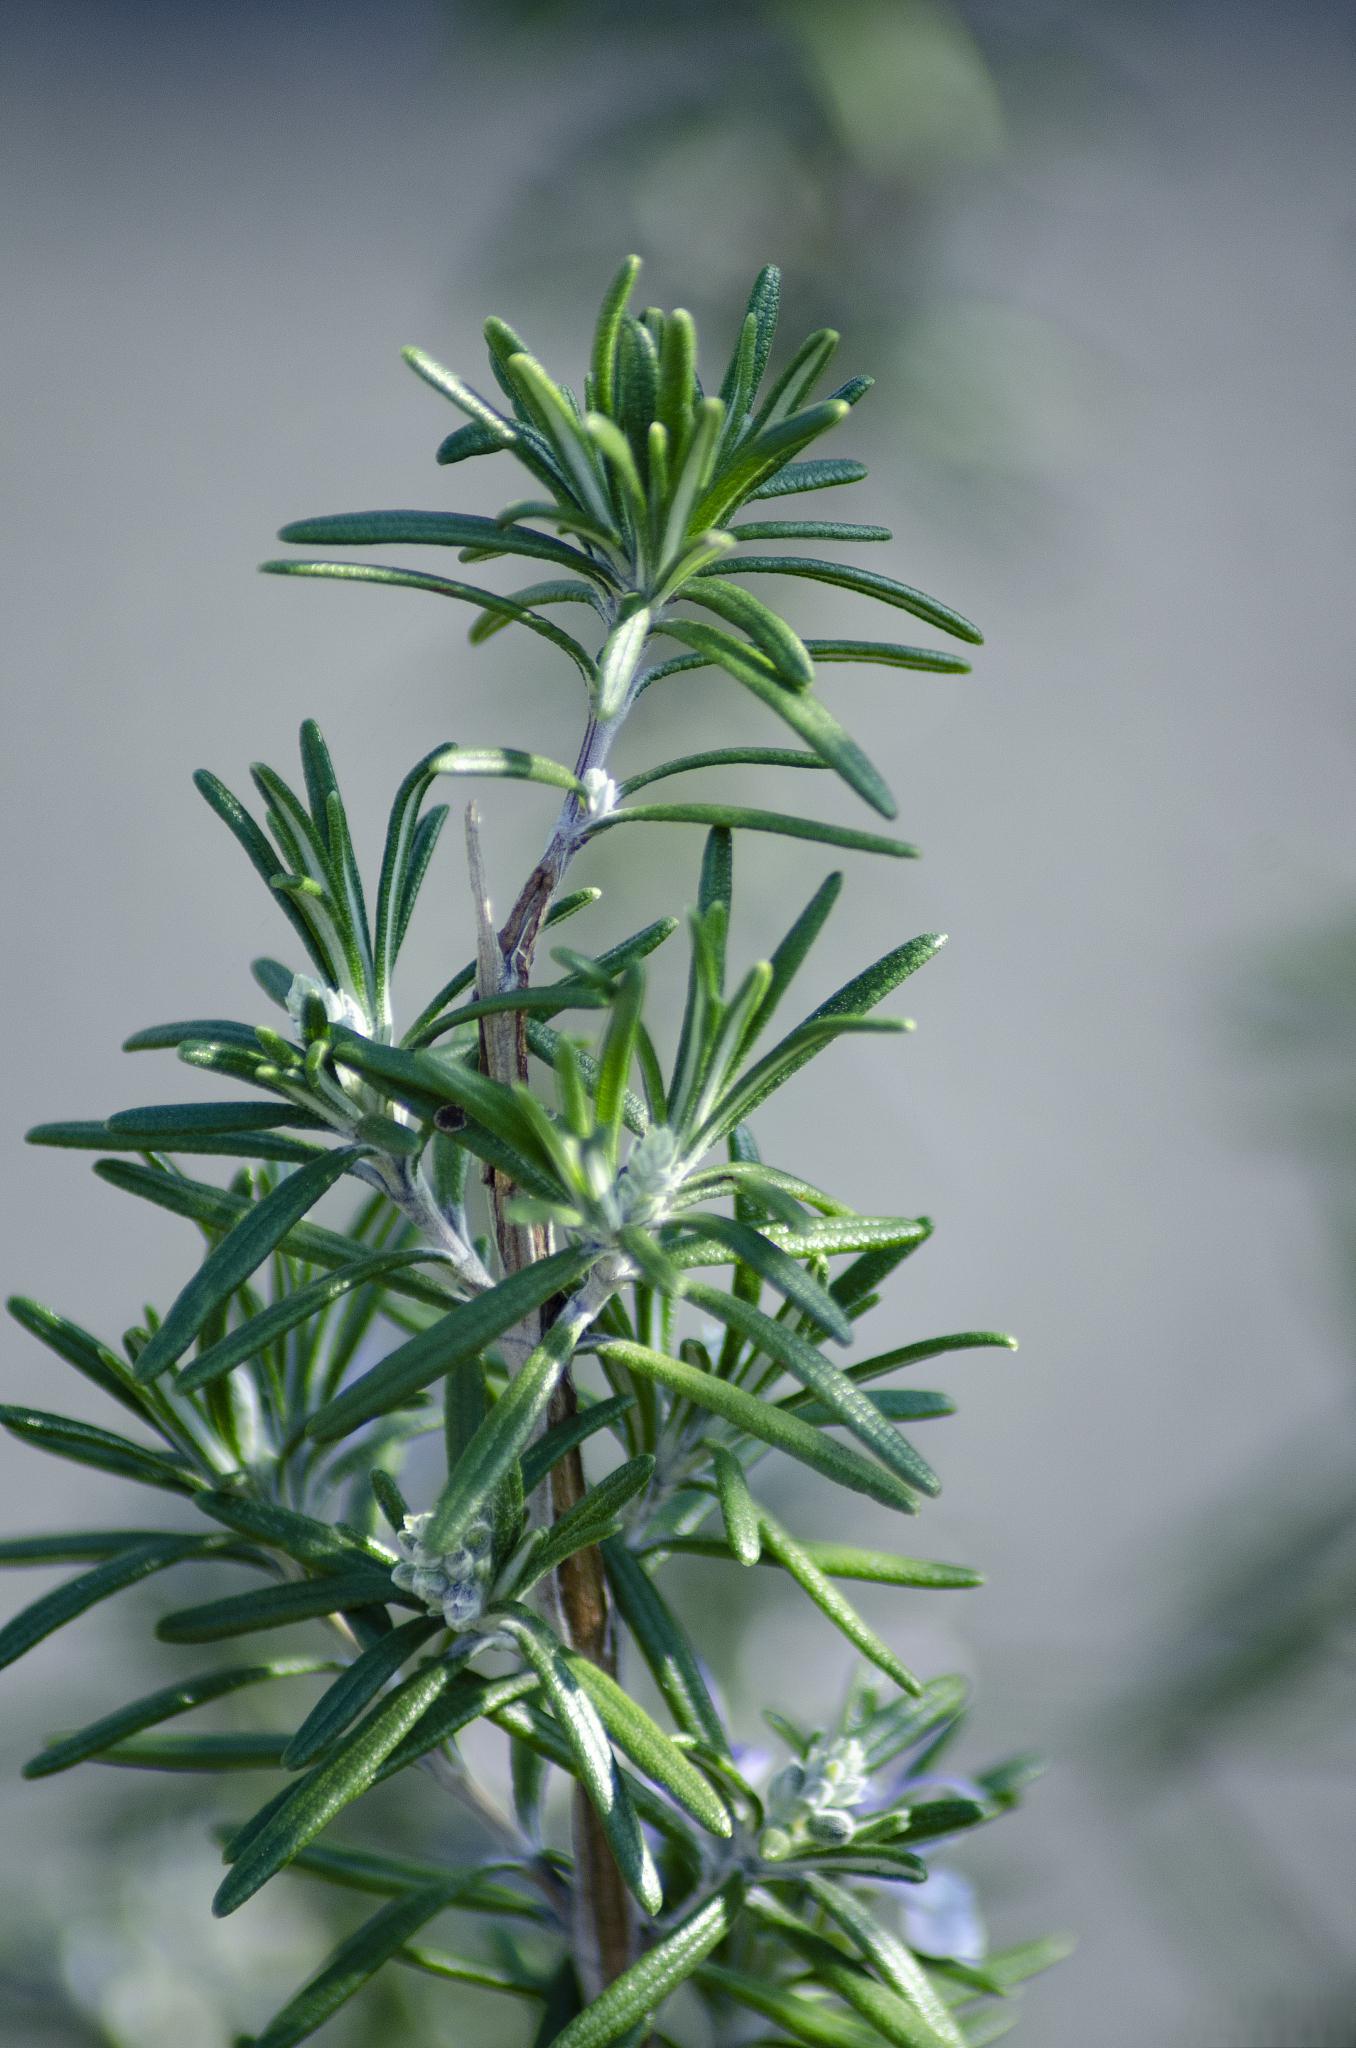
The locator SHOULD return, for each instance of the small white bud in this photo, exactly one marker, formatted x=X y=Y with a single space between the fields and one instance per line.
x=600 y=792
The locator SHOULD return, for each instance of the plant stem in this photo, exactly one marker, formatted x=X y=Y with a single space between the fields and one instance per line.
x=604 y=1931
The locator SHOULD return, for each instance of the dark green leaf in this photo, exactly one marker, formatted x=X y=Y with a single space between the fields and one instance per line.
x=156 y=1707
x=741 y=818
x=356 y=1688
x=764 y=1421
x=102 y=1367
x=126 y=1568
x=249 y=1339
x=220 y=1209
x=240 y=1253
x=593 y=1516
x=641 y=1739
x=86 y=1445
x=846 y=1561
x=760 y=1252
x=818 y=475
x=646 y=1984
x=799 y=709
x=355 y=1961
x=598 y=1771
x=316 y=1799
x=845 y=1401
x=443 y=586
x=737 y=1509
x=504 y=1433
x=551 y=1447
x=865 y=582
x=664 y=1647
x=463 y=1333
x=830 y=1602
x=241 y=1614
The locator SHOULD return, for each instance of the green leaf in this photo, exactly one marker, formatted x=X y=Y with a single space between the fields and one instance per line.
x=509 y=763
x=249 y=1339
x=356 y=1688
x=721 y=757
x=888 y=654
x=846 y=1403
x=864 y=582
x=333 y=1785
x=442 y=586
x=604 y=359
x=830 y=1602
x=503 y=1434
x=89 y=1136
x=430 y=529
x=897 y=1405
x=761 y=455
x=303 y=1538
x=641 y=1989
x=462 y=1334
x=465 y=1700
x=616 y=1054
x=220 y=1209
x=593 y=1516
x=218 y=1030
x=664 y=1646
x=845 y=1561
x=887 y=1954
x=738 y=817
x=102 y=1448
x=470 y=402
x=84 y=1546
x=737 y=1508
x=618 y=661
x=760 y=1252
x=173 y=1119
x=266 y=863
x=475 y=438
x=127 y=1568
x=65 y=1751
x=857 y=996
x=355 y=1961
x=241 y=1614
x=427 y=1081
x=556 y=591
x=818 y=475
x=102 y=1367
x=175 y=1752
x=799 y=709
x=766 y=629
x=598 y=1771
x=804 y=2019
x=240 y=1253
x=641 y=1739
x=929 y=1347
x=539 y=1457
x=806 y=529
x=762 y=1420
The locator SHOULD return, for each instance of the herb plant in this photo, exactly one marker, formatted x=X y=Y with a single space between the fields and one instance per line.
x=567 y=1256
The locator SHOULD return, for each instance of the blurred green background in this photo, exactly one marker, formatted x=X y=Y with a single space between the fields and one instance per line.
x=1102 y=261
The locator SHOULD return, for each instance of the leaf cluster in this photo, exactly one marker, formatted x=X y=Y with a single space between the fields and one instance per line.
x=681 y=1332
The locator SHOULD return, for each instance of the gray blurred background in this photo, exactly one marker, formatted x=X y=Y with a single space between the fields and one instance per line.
x=1102 y=259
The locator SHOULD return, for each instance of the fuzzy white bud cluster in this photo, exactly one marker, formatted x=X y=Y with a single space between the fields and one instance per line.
x=600 y=792
x=339 y=1006
x=808 y=1802
x=652 y=1175
x=452 y=1583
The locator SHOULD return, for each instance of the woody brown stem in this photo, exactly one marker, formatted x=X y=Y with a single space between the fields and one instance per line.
x=604 y=1922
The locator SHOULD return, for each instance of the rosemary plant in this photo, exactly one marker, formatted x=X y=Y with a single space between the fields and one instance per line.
x=567 y=1256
